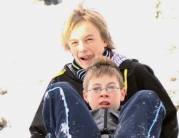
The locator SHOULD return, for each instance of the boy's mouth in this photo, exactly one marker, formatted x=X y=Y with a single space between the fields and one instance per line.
x=86 y=57
x=104 y=104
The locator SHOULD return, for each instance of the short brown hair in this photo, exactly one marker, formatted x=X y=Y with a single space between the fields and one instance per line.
x=100 y=66
x=78 y=16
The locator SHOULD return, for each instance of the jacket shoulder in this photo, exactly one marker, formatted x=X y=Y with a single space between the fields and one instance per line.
x=142 y=67
x=60 y=73
x=59 y=76
x=135 y=64
x=128 y=63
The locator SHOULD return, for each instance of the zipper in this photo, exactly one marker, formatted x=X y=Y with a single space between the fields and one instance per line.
x=105 y=120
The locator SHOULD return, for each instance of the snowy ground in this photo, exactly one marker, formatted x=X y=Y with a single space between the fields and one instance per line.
x=30 y=51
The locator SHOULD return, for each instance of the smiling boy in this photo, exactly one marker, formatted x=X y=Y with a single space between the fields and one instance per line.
x=65 y=113
x=86 y=36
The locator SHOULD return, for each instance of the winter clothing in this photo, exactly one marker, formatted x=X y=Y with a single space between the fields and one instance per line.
x=137 y=77
x=80 y=72
x=106 y=120
x=66 y=115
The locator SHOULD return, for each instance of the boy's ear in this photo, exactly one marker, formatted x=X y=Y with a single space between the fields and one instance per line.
x=105 y=44
x=123 y=93
x=68 y=48
x=85 y=96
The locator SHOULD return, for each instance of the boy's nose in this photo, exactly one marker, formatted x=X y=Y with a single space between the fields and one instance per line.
x=81 y=47
x=104 y=93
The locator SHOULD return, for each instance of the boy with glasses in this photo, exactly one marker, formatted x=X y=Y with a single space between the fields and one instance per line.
x=66 y=115
x=86 y=36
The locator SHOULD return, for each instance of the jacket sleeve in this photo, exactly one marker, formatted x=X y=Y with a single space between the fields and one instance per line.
x=147 y=80
x=37 y=129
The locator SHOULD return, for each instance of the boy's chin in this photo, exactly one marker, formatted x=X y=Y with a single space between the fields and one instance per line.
x=104 y=107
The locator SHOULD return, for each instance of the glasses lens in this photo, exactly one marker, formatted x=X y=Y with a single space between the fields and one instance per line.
x=96 y=90
x=111 y=89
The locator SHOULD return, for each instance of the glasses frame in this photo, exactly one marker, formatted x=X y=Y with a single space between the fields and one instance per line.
x=99 y=90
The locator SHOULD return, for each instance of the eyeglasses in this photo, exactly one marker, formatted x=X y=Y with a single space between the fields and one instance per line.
x=109 y=89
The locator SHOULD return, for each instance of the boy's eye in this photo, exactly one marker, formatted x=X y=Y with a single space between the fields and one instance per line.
x=73 y=43
x=96 y=89
x=111 y=87
x=89 y=40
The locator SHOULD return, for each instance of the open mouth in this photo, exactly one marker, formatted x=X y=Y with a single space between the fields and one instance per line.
x=104 y=103
x=86 y=57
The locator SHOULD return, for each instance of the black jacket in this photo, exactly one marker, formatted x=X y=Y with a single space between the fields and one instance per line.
x=106 y=120
x=139 y=77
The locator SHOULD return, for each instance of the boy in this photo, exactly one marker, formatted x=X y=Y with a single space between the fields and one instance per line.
x=86 y=36
x=65 y=113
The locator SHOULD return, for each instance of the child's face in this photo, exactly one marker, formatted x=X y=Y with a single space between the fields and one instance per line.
x=104 y=99
x=85 y=43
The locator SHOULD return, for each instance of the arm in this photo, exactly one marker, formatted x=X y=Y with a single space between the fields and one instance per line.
x=147 y=80
x=37 y=128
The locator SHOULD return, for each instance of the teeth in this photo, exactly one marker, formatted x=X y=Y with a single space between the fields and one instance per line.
x=86 y=57
x=106 y=103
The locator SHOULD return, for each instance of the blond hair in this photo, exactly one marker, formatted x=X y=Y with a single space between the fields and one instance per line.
x=80 y=15
x=101 y=66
